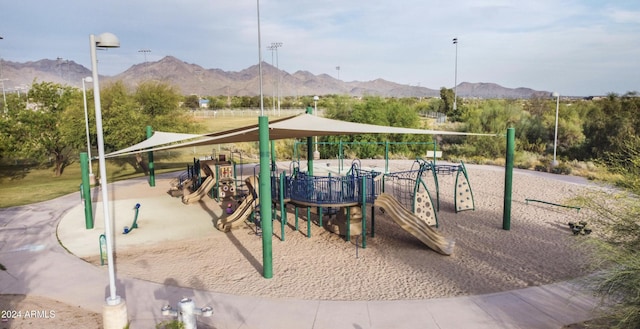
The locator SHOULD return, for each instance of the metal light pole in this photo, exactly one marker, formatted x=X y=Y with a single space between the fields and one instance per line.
x=146 y=66
x=92 y=178
x=115 y=310
x=277 y=45
x=338 y=69
x=273 y=91
x=4 y=96
x=555 y=136
x=316 y=154
x=265 y=169
x=455 y=81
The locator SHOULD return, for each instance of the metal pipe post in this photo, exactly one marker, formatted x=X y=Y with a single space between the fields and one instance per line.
x=508 y=179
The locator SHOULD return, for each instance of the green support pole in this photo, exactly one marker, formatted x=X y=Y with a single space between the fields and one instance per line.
x=152 y=171
x=340 y=157
x=273 y=155
x=265 y=198
x=296 y=217
x=373 y=221
x=386 y=157
x=508 y=179
x=348 y=228
x=310 y=155
x=310 y=148
x=86 y=191
x=283 y=207
x=308 y=222
x=364 y=212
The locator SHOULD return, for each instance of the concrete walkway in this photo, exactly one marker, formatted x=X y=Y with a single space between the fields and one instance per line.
x=38 y=265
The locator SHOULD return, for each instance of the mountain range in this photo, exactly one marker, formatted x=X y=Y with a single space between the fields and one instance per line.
x=194 y=79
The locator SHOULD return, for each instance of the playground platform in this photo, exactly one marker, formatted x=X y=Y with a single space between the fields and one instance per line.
x=43 y=267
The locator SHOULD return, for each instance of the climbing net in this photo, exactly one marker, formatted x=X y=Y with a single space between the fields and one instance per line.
x=402 y=185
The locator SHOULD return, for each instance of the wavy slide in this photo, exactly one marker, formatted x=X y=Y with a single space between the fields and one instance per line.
x=414 y=225
x=206 y=186
x=243 y=211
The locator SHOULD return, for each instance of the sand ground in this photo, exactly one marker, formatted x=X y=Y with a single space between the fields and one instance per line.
x=538 y=249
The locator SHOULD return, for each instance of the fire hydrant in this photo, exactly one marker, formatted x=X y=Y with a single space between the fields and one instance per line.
x=187 y=312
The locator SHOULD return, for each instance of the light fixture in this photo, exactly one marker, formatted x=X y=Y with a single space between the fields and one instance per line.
x=92 y=177
x=554 y=163
x=105 y=40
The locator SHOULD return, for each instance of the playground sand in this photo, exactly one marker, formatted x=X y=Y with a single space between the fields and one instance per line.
x=538 y=249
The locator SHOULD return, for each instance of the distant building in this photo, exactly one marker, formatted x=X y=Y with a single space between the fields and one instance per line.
x=204 y=103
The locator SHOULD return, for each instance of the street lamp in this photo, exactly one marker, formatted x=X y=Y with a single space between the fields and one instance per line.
x=555 y=136
x=316 y=154
x=276 y=45
x=273 y=91
x=146 y=66
x=4 y=96
x=115 y=305
x=338 y=69
x=92 y=178
x=455 y=81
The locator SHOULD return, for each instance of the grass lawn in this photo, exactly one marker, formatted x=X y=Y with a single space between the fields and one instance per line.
x=20 y=185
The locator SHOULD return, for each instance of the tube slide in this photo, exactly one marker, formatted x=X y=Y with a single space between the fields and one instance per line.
x=414 y=225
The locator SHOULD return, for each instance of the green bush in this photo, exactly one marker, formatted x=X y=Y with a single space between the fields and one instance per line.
x=170 y=324
x=616 y=217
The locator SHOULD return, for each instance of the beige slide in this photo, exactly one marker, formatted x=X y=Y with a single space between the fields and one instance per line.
x=196 y=196
x=414 y=224
x=244 y=210
x=204 y=188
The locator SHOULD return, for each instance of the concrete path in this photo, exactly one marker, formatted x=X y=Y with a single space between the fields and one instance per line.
x=38 y=265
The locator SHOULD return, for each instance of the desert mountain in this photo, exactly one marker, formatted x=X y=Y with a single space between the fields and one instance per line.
x=194 y=79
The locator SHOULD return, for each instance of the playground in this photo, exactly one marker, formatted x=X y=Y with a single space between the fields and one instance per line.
x=179 y=243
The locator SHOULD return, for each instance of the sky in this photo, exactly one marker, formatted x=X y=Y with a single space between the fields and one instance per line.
x=573 y=47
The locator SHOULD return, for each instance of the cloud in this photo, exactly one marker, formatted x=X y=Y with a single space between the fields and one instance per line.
x=576 y=46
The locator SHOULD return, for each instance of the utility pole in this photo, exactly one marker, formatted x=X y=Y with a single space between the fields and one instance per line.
x=277 y=45
x=146 y=65
x=455 y=83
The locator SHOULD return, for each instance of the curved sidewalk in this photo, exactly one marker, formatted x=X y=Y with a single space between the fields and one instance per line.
x=38 y=265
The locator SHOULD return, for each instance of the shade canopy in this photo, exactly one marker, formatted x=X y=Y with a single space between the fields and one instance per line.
x=299 y=126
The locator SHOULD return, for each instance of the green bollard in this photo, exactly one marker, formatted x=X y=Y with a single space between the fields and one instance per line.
x=152 y=171
x=85 y=190
x=508 y=179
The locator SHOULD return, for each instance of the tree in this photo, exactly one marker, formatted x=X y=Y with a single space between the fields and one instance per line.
x=448 y=96
x=157 y=98
x=41 y=131
x=192 y=102
x=617 y=246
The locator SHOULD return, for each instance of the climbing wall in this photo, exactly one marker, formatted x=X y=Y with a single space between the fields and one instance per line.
x=463 y=194
x=423 y=205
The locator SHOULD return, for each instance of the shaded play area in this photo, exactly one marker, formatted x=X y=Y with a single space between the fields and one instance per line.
x=336 y=202
x=303 y=189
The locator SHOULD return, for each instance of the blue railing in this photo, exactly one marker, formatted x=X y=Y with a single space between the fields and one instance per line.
x=332 y=189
